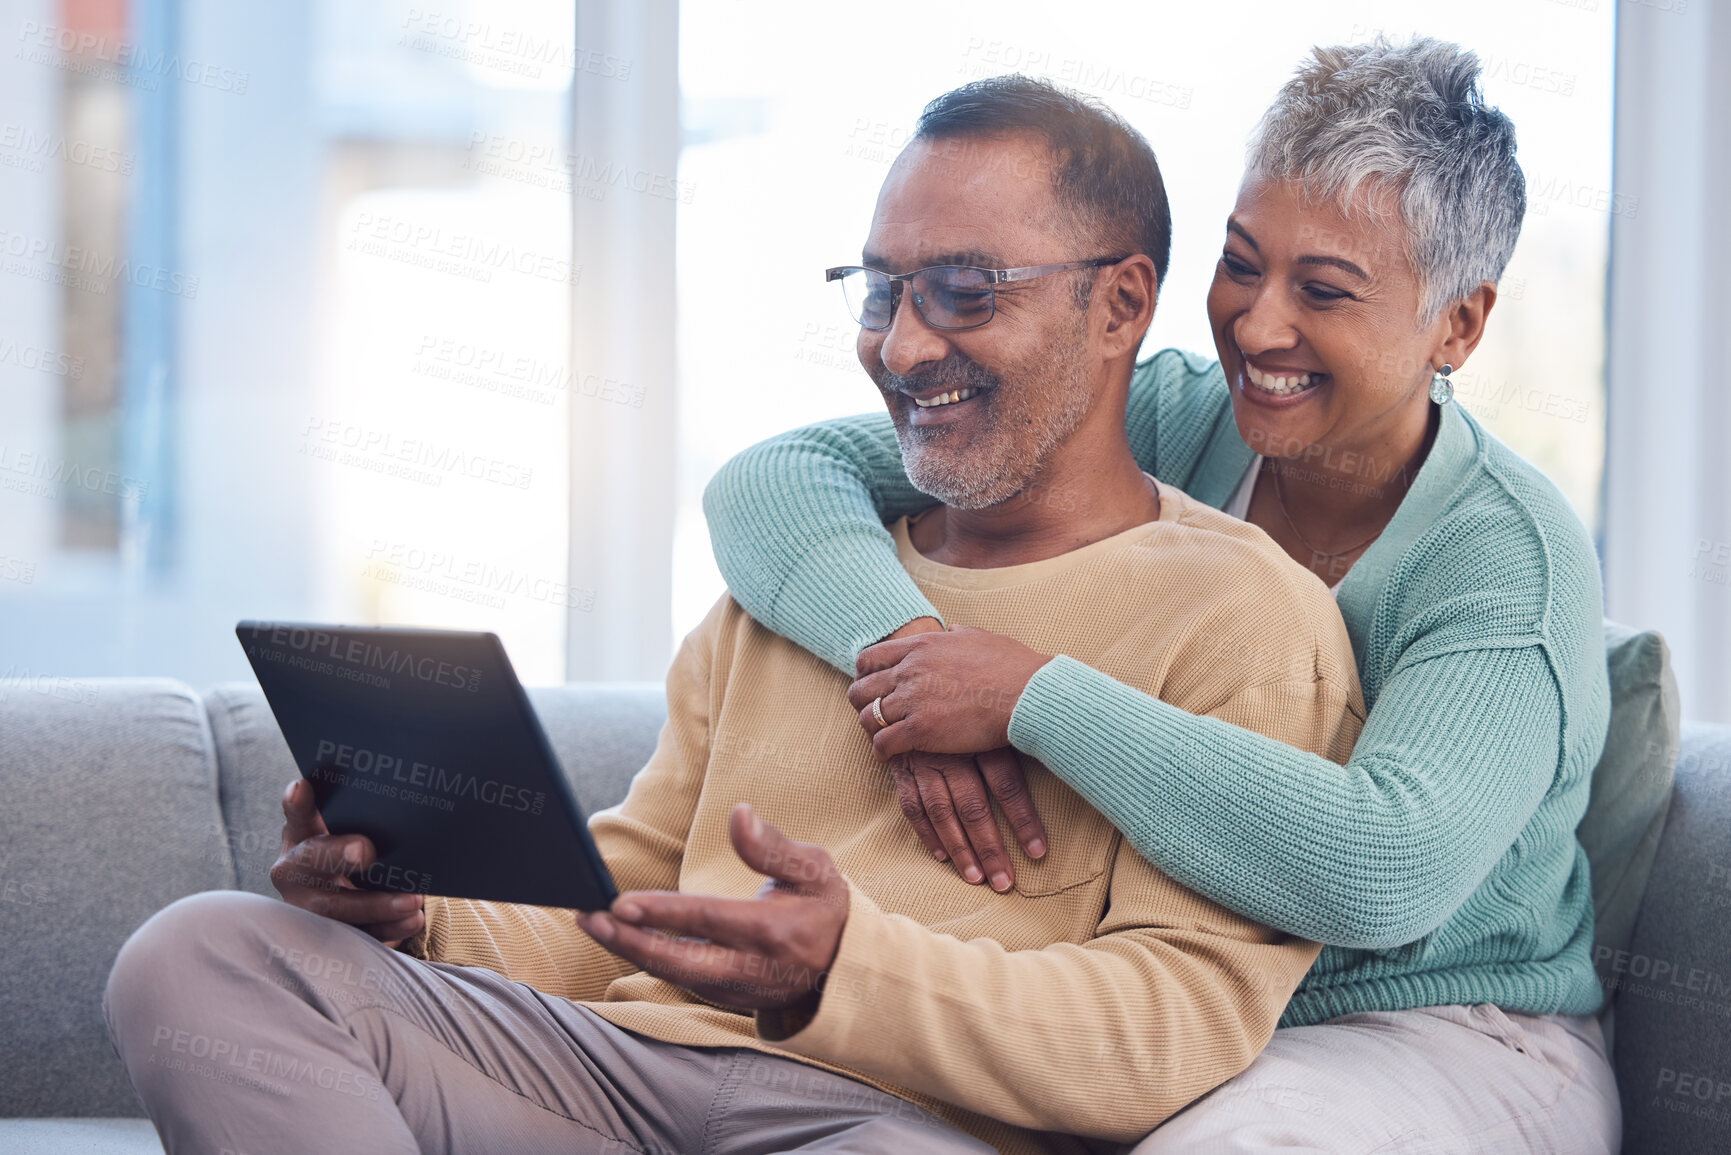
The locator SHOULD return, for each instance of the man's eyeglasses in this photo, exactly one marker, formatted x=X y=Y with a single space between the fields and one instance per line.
x=947 y=296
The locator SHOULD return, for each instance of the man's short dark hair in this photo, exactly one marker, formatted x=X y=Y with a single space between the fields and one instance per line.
x=1103 y=171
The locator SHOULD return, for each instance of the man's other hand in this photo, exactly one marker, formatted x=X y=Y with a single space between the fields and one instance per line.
x=313 y=870
x=771 y=952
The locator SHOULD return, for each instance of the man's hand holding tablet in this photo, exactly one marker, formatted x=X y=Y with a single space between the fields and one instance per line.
x=312 y=872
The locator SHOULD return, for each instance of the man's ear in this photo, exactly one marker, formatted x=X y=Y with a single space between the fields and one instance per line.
x=1128 y=292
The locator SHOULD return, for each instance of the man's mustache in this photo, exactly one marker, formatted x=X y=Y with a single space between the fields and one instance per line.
x=952 y=373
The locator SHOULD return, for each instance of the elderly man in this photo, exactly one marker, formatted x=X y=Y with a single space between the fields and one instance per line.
x=863 y=998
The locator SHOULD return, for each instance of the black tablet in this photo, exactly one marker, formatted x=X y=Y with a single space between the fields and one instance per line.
x=424 y=741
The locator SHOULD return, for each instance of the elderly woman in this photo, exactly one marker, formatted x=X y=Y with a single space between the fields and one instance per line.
x=1452 y=1007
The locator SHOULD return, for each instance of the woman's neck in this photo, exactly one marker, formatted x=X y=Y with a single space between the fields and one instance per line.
x=1325 y=506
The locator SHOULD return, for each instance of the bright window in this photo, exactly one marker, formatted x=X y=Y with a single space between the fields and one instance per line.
x=284 y=327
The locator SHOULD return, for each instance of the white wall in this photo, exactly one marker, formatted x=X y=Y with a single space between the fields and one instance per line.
x=29 y=328
x=1667 y=491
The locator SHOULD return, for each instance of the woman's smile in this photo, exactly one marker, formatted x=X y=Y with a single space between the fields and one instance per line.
x=1278 y=386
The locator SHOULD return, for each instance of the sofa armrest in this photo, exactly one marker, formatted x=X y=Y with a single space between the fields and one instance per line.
x=1673 y=985
x=110 y=814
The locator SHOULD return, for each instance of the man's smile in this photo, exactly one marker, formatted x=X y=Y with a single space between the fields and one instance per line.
x=949 y=398
x=947 y=407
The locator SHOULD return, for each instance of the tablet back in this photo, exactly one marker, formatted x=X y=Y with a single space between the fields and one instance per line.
x=424 y=741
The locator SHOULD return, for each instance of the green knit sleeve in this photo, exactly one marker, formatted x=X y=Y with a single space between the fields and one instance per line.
x=1454 y=759
x=797 y=525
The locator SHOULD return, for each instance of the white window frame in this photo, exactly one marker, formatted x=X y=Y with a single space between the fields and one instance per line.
x=624 y=117
x=1668 y=435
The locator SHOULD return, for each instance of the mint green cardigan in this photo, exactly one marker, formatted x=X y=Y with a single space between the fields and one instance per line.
x=1440 y=864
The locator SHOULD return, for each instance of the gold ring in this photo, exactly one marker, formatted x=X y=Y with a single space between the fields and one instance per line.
x=878 y=712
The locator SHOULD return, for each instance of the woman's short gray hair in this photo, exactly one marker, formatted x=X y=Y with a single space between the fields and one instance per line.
x=1410 y=118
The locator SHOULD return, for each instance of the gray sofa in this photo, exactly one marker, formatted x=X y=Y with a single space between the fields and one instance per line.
x=122 y=795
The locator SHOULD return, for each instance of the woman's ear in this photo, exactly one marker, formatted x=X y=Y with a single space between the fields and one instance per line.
x=1466 y=324
x=1129 y=294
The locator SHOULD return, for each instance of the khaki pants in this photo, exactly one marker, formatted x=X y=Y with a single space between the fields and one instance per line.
x=250 y=1027
x=1467 y=1080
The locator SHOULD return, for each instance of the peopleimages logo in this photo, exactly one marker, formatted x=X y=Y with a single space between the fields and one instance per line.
x=87 y=270
x=26 y=471
x=40 y=360
x=325 y=652
x=234 y=1062
x=27 y=148
x=126 y=62
x=469 y=255
x=409 y=458
x=507 y=49
x=404 y=778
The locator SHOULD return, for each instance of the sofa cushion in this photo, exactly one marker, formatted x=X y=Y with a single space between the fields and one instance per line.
x=253 y=768
x=1631 y=789
x=602 y=733
x=110 y=814
x=79 y=1137
x=1673 y=984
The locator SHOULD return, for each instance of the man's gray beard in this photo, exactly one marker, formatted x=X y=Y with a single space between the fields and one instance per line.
x=1007 y=456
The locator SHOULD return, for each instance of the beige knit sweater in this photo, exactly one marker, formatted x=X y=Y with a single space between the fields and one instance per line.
x=1095 y=998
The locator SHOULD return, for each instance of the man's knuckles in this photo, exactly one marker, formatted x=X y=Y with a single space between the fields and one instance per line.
x=291 y=872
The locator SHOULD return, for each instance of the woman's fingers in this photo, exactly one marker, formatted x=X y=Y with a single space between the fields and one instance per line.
x=874 y=708
x=941 y=812
x=884 y=654
x=871 y=686
x=896 y=738
x=955 y=802
x=947 y=799
x=913 y=809
x=899 y=732
x=974 y=808
x=1002 y=770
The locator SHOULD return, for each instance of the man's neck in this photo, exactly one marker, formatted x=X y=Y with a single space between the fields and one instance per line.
x=1078 y=499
